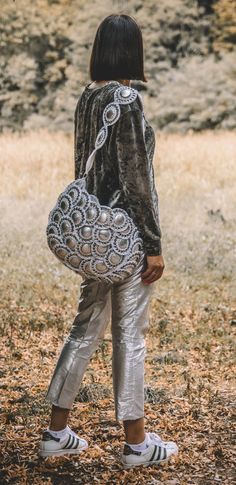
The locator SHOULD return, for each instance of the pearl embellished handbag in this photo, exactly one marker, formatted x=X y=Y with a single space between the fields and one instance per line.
x=91 y=239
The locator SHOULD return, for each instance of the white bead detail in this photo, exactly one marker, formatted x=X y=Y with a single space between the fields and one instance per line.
x=111 y=114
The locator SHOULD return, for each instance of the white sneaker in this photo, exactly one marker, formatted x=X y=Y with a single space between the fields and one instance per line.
x=157 y=451
x=69 y=444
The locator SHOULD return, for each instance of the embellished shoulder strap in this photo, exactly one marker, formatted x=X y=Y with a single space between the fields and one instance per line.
x=111 y=113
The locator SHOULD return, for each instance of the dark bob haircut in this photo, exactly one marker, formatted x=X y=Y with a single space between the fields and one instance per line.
x=117 y=51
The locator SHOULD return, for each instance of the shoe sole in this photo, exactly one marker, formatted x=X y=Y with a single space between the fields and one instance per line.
x=127 y=466
x=45 y=454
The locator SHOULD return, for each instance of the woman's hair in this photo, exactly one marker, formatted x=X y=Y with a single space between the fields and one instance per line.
x=117 y=51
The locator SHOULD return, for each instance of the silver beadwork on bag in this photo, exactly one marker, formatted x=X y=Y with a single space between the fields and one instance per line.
x=91 y=239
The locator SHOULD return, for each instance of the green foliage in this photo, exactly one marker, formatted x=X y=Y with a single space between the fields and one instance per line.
x=45 y=50
x=200 y=94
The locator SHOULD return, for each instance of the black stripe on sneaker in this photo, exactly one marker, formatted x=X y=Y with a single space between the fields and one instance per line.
x=76 y=444
x=154 y=452
x=159 y=453
x=165 y=453
x=67 y=442
x=72 y=442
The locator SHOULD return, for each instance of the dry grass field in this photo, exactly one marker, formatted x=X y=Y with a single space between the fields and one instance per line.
x=191 y=343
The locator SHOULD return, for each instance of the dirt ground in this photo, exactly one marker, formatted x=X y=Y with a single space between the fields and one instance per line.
x=190 y=361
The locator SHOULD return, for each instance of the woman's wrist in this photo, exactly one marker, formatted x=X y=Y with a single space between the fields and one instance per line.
x=154 y=250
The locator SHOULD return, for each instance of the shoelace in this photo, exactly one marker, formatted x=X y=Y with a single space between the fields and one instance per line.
x=81 y=440
x=71 y=432
x=156 y=438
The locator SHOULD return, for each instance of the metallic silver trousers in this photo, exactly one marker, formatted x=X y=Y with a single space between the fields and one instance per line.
x=127 y=303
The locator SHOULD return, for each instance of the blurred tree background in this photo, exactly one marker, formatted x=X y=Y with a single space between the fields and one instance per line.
x=189 y=59
x=189 y=48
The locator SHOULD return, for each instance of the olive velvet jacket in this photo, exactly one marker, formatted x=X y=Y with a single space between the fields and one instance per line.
x=122 y=175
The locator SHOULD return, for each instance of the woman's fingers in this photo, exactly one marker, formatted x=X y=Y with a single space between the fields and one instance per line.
x=151 y=277
x=147 y=273
x=154 y=270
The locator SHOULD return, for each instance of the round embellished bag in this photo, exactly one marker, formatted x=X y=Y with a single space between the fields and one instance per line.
x=91 y=239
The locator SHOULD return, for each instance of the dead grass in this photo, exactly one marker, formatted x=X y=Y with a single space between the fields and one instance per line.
x=191 y=342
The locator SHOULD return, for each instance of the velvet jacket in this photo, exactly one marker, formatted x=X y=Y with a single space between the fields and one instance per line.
x=122 y=175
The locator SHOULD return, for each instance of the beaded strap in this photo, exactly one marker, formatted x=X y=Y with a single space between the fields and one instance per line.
x=111 y=113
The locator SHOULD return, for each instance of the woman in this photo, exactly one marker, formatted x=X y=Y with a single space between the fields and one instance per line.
x=122 y=176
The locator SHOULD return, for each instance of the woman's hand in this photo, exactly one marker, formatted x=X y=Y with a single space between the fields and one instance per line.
x=154 y=269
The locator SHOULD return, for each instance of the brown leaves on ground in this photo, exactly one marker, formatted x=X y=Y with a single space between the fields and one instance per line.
x=189 y=376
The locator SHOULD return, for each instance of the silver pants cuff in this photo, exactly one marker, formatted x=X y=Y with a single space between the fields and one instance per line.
x=127 y=303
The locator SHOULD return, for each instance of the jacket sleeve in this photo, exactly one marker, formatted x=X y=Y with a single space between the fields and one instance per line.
x=136 y=176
